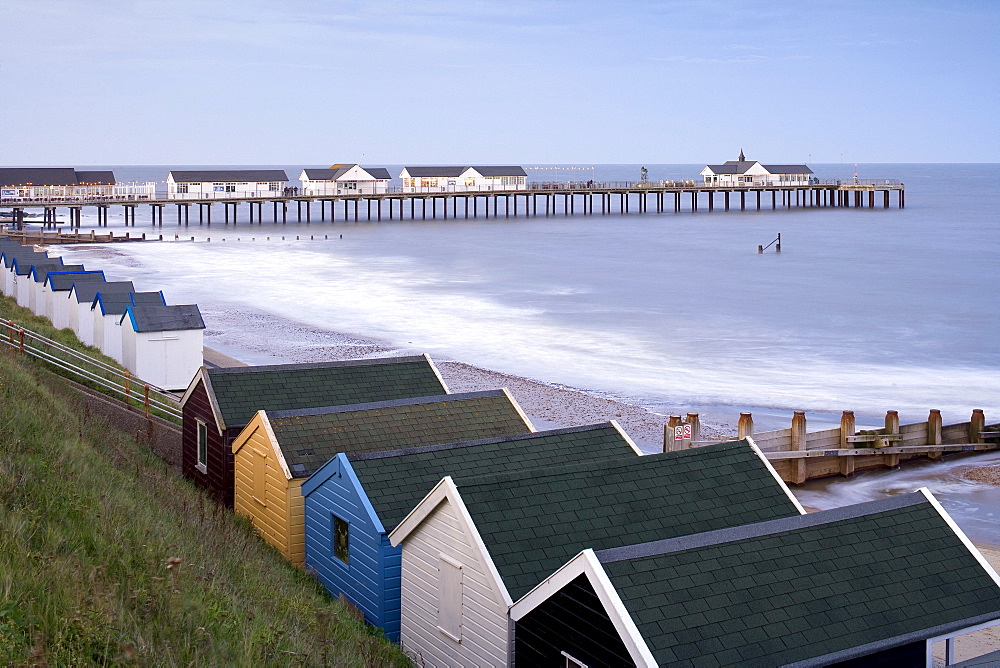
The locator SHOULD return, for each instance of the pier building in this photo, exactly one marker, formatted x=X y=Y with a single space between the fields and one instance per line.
x=345 y=180
x=225 y=183
x=742 y=172
x=463 y=179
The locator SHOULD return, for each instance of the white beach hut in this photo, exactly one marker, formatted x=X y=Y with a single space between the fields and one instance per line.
x=81 y=299
x=107 y=314
x=11 y=257
x=163 y=345
x=38 y=276
x=55 y=294
x=345 y=180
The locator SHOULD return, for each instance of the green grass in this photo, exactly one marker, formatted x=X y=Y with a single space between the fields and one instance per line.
x=108 y=558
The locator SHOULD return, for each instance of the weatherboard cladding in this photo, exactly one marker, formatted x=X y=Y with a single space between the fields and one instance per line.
x=242 y=391
x=399 y=479
x=309 y=438
x=534 y=522
x=824 y=587
x=229 y=176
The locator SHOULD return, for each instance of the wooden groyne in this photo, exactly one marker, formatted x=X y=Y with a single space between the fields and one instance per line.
x=537 y=200
x=799 y=455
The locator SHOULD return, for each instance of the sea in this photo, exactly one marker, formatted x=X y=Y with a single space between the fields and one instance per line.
x=863 y=309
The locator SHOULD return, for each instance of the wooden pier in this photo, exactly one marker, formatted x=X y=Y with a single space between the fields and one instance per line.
x=537 y=200
x=798 y=455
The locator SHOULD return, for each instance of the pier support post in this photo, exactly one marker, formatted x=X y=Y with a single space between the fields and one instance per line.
x=976 y=425
x=743 y=200
x=726 y=194
x=745 y=426
x=798 y=465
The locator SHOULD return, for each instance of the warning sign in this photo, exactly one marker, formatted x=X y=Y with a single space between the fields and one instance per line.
x=682 y=431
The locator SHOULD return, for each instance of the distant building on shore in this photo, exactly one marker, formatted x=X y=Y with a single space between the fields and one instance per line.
x=225 y=183
x=345 y=180
x=743 y=172
x=460 y=179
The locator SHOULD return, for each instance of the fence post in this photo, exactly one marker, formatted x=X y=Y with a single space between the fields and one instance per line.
x=128 y=388
x=10 y=327
x=146 y=401
x=20 y=333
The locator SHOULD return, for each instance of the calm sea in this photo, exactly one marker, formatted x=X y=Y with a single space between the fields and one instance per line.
x=864 y=309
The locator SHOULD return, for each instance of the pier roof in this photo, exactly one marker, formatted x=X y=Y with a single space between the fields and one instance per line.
x=53 y=176
x=808 y=590
x=435 y=171
x=500 y=170
x=228 y=175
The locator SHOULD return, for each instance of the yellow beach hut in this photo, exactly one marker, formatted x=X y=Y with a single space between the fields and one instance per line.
x=278 y=450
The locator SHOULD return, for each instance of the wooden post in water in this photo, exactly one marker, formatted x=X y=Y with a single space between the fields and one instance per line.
x=976 y=425
x=934 y=432
x=669 y=444
x=745 y=426
x=695 y=422
x=847 y=428
x=798 y=443
x=892 y=427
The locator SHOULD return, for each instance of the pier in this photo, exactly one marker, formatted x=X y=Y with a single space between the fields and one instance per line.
x=539 y=199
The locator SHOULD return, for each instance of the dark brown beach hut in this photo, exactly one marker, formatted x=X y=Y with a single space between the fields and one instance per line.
x=220 y=402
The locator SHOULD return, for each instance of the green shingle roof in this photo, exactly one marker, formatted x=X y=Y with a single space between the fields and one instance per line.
x=242 y=391
x=396 y=481
x=534 y=521
x=806 y=590
x=310 y=437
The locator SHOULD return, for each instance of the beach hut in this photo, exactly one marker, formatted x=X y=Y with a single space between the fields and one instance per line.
x=743 y=172
x=22 y=254
x=55 y=293
x=81 y=299
x=37 y=280
x=459 y=179
x=345 y=180
x=475 y=545
x=219 y=403
x=278 y=450
x=354 y=500
x=874 y=584
x=225 y=183
x=107 y=311
x=163 y=345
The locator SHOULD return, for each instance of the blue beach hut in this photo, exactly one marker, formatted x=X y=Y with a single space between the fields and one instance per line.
x=354 y=501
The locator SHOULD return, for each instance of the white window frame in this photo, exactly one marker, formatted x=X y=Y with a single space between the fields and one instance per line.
x=201 y=446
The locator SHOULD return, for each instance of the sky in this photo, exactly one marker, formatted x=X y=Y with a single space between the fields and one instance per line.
x=315 y=82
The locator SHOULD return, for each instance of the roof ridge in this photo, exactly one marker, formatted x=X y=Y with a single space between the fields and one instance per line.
x=385 y=454
x=758 y=529
x=347 y=408
x=494 y=478
x=265 y=368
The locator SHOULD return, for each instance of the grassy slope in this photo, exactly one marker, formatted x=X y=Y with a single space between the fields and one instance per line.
x=107 y=557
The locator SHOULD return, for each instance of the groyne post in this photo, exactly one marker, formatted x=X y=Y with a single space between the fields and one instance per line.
x=847 y=428
x=669 y=443
x=892 y=427
x=695 y=422
x=976 y=426
x=934 y=432
x=745 y=426
x=798 y=443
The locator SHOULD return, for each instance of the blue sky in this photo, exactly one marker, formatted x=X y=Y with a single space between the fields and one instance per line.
x=89 y=82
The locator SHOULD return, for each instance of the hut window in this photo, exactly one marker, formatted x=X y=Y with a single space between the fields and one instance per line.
x=572 y=662
x=259 y=476
x=341 y=539
x=202 y=447
x=182 y=187
x=450 y=598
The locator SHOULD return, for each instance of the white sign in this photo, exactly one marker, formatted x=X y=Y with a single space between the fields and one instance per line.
x=682 y=431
